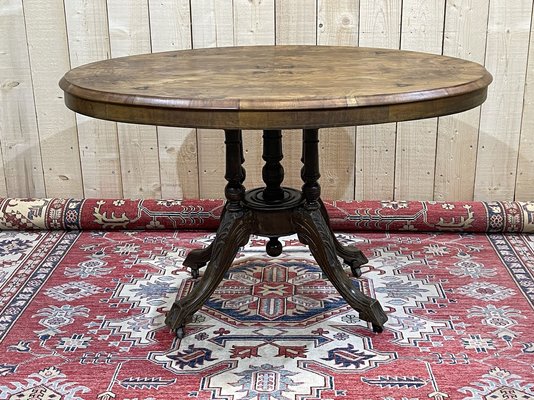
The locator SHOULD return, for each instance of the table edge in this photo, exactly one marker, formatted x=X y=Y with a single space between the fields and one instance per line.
x=273 y=105
x=276 y=118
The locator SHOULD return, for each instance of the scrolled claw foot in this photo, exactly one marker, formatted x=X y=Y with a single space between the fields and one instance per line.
x=356 y=270
x=176 y=317
x=198 y=258
x=313 y=230
x=179 y=332
x=351 y=255
x=378 y=328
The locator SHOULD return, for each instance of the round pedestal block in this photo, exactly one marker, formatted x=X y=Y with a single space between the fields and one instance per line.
x=254 y=200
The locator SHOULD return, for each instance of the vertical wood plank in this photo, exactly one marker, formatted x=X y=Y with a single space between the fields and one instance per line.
x=254 y=24
x=170 y=25
x=380 y=23
x=213 y=23
x=296 y=23
x=88 y=38
x=337 y=22
x=500 y=125
x=138 y=145
x=415 y=155
x=465 y=37
x=524 y=187
x=3 y=186
x=49 y=60
x=21 y=172
x=213 y=26
x=337 y=25
x=170 y=28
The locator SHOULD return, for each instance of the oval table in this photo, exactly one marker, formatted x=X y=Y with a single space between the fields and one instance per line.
x=271 y=88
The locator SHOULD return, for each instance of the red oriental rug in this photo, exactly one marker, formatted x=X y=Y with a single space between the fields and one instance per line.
x=81 y=312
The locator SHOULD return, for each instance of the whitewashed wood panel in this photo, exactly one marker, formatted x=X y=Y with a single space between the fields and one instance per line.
x=380 y=23
x=422 y=30
x=21 y=172
x=254 y=24
x=337 y=25
x=49 y=59
x=464 y=37
x=500 y=125
x=212 y=23
x=296 y=23
x=170 y=25
x=337 y=22
x=482 y=155
x=3 y=186
x=88 y=39
x=524 y=185
x=213 y=26
x=170 y=29
x=138 y=144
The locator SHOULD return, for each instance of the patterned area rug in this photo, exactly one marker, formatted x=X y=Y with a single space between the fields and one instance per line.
x=82 y=318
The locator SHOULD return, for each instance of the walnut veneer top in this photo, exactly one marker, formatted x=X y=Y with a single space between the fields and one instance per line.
x=275 y=87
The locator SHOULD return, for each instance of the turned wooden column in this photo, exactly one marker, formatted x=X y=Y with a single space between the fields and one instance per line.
x=272 y=172
x=235 y=173
x=310 y=170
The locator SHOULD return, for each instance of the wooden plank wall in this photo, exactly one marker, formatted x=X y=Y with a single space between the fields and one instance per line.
x=46 y=150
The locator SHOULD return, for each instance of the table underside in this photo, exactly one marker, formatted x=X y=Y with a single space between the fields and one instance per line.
x=273 y=211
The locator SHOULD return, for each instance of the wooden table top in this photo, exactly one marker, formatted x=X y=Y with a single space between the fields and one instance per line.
x=275 y=87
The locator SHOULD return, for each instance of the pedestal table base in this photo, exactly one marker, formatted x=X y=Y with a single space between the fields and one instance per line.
x=274 y=211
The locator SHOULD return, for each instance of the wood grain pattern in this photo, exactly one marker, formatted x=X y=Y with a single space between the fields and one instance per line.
x=465 y=37
x=337 y=22
x=500 y=125
x=88 y=39
x=49 y=57
x=524 y=189
x=21 y=172
x=380 y=25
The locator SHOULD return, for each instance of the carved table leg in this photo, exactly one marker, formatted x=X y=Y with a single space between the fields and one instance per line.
x=313 y=228
x=352 y=256
x=234 y=232
x=313 y=231
x=198 y=258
